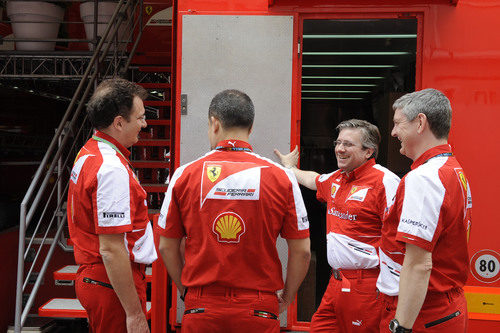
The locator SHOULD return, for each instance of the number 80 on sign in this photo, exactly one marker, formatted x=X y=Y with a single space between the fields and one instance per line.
x=485 y=266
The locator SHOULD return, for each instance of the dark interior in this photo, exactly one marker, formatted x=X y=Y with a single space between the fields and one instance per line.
x=350 y=69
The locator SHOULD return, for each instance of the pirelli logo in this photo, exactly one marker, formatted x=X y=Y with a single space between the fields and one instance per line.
x=113 y=215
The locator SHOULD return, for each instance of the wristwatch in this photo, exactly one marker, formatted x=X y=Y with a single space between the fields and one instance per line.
x=394 y=327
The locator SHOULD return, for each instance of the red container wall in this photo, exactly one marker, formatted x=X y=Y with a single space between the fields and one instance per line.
x=461 y=57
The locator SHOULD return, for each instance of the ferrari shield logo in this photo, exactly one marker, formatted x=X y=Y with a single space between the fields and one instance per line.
x=149 y=10
x=213 y=172
x=334 y=189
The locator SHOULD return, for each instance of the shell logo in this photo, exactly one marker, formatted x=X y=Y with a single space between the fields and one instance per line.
x=228 y=227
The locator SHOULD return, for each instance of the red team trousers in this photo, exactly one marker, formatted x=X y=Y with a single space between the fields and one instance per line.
x=213 y=308
x=441 y=312
x=351 y=303
x=103 y=307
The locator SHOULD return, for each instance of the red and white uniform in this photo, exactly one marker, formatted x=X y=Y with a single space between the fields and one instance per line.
x=231 y=205
x=356 y=204
x=432 y=209
x=105 y=197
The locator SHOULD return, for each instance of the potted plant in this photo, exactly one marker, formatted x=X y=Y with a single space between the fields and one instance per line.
x=36 y=20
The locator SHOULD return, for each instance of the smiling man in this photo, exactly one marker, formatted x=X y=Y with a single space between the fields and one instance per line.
x=423 y=254
x=356 y=196
x=108 y=215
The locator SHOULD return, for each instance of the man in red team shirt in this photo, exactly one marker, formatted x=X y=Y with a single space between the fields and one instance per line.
x=357 y=196
x=108 y=214
x=423 y=255
x=231 y=205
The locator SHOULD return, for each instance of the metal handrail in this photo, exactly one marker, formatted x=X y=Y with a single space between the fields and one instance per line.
x=53 y=157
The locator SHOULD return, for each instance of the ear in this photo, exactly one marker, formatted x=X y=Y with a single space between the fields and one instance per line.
x=369 y=152
x=214 y=124
x=422 y=123
x=118 y=123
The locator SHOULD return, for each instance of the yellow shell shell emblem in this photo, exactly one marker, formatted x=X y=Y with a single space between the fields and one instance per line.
x=229 y=227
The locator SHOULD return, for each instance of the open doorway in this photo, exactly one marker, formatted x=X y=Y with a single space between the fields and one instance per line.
x=350 y=69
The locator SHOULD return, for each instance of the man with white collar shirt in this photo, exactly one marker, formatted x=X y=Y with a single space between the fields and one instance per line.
x=357 y=196
x=423 y=256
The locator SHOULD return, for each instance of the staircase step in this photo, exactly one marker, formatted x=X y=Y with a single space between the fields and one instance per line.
x=70 y=308
x=151 y=164
x=157 y=103
x=150 y=69
x=153 y=142
x=68 y=273
x=150 y=85
x=155 y=187
x=165 y=122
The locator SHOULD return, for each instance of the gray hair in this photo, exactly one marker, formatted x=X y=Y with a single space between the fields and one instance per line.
x=370 y=135
x=431 y=102
x=232 y=108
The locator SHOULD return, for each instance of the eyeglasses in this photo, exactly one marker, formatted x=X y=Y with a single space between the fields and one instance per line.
x=346 y=144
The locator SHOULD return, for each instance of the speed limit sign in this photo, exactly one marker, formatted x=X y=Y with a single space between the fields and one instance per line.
x=485 y=266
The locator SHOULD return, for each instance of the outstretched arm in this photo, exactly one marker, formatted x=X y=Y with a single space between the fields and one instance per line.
x=290 y=160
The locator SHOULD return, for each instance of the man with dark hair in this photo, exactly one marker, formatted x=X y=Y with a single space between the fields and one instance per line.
x=423 y=255
x=356 y=196
x=231 y=205
x=108 y=214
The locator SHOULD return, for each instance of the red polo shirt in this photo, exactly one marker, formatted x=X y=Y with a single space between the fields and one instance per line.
x=105 y=197
x=231 y=205
x=432 y=210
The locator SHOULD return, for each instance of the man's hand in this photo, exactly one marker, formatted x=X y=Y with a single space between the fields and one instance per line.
x=283 y=302
x=289 y=160
x=117 y=263
x=137 y=324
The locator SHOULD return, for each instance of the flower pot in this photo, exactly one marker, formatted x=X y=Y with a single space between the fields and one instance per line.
x=104 y=14
x=21 y=13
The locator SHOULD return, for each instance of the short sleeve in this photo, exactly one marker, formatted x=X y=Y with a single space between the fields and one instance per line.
x=419 y=222
x=170 y=220
x=112 y=199
x=296 y=223
x=323 y=187
x=388 y=189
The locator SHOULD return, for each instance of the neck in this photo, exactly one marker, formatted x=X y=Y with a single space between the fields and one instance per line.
x=114 y=134
x=235 y=134
x=425 y=145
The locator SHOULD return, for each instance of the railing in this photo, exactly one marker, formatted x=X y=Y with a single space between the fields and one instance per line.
x=42 y=194
x=64 y=64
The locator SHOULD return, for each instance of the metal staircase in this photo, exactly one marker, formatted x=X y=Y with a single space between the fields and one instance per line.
x=42 y=211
